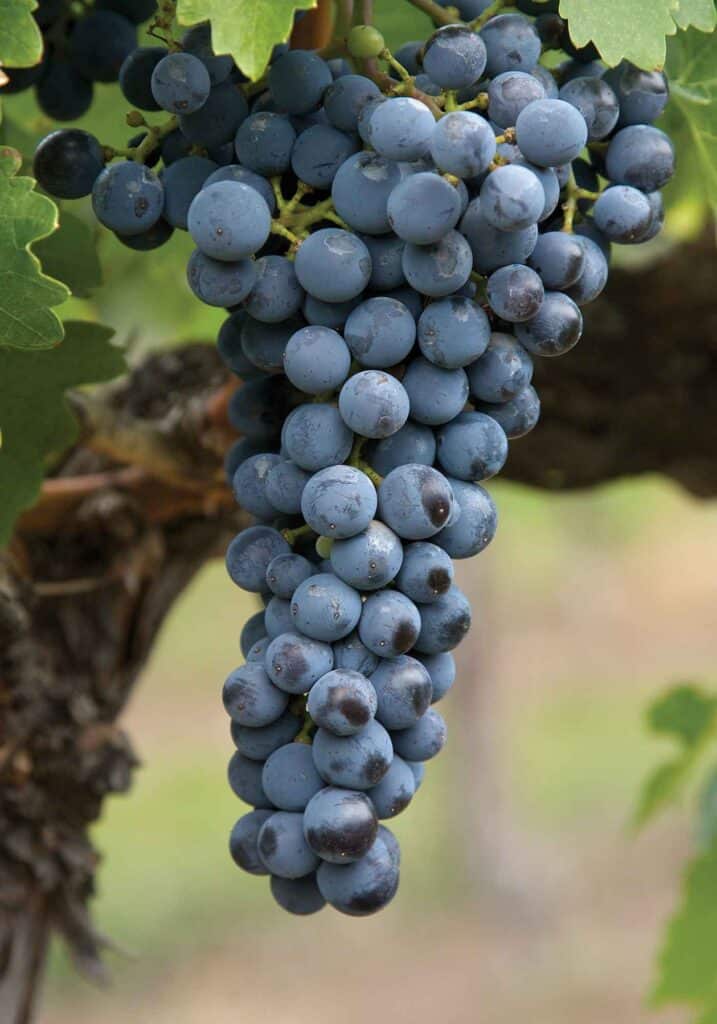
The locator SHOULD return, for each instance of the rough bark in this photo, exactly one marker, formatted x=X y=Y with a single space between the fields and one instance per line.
x=129 y=516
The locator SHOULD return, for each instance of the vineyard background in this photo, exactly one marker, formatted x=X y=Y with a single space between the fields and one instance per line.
x=525 y=894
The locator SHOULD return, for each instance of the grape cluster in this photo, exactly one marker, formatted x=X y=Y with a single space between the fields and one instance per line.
x=79 y=49
x=393 y=254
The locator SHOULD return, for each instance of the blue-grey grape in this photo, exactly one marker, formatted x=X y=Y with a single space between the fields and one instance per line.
x=473 y=446
x=290 y=778
x=364 y=887
x=245 y=781
x=454 y=57
x=422 y=741
x=373 y=404
x=518 y=415
x=319 y=152
x=264 y=143
x=342 y=701
x=444 y=623
x=249 y=554
x=439 y=269
x=403 y=691
x=333 y=265
x=423 y=208
x=353 y=762
x=127 y=197
x=414 y=442
x=370 y=559
x=515 y=292
x=297 y=895
x=339 y=502
x=380 y=332
x=243 y=842
x=415 y=501
x=442 y=670
x=426 y=572
x=395 y=791
x=475 y=527
x=285 y=572
x=317 y=360
x=294 y=662
x=453 y=332
x=340 y=825
x=282 y=847
x=219 y=283
x=277 y=294
x=250 y=698
x=257 y=743
x=463 y=144
x=436 y=395
x=555 y=329
x=390 y=623
x=503 y=371
x=284 y=487
x=316 y=436
x=550 y=133
x=325 y=608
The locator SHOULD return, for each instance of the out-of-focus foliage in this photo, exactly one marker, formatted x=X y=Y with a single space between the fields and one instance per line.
x=37 y=381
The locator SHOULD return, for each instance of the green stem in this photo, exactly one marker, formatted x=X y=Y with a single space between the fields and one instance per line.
x=278 y=229
x=357 y=462
x=291 y=536
x=507 y=136
x=495 y=8
x=451 y=101
x=388 y=57
x=479 y=102
x=439 y=15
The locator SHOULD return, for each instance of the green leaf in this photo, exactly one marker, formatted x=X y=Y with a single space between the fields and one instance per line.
x=699 y=13
x=660 y=789
x=685 y=713
x=634 y=30
x=70 y=255
x=247 y=29
x=20 y=37
x=26 y=294
x=688 y=716
x=691 y=118
x=687 y=964
x=34 y=417
x=622 y=29
x=707 y=811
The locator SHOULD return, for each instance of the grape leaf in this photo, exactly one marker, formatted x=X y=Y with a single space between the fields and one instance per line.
x=684 y=713
x=247 y=29
x=691 y=117
x=698 y=13
x=634 y=30
x=660 y=789
x=70 y=255
x=688 y=716
x=34 y=417
x=26 y=294
x=687 y=964
x=20 y=38
x=707 y=813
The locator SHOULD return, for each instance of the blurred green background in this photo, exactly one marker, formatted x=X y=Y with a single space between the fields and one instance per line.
x=523 y=893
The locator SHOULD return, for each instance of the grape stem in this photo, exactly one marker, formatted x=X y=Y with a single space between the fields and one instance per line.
x=291 y=536
x=439 y=15
x=278 y=228
x=155 y=133
x=507 y=136
x=570 y=206
x=357 y=462
x=479 y=102
x=495 y=8
x=164 y=19
x=389 y=58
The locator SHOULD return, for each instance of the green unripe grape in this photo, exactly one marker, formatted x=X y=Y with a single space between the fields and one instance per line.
x=365 y=42
x=323 y=546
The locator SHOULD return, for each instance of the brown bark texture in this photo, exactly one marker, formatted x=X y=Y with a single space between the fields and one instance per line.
x=129 y=516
